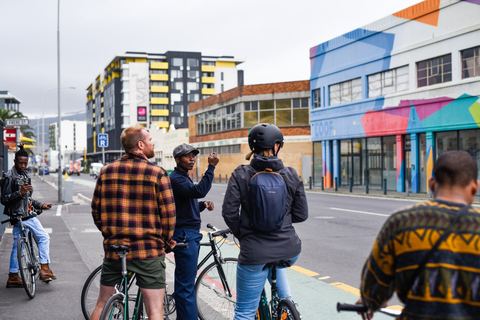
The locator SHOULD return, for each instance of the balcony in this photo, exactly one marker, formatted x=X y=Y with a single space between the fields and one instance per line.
x=208 y=91
x=159 y=112
x=208 y=79
x=159 y=89
x=208 y=68
x=159 y=100
x=159 y=65
x=158 y=77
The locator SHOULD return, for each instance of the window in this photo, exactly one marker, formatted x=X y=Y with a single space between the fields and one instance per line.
x=390 y=81
x=177 y=85
x=221 y=76
x=175 y=74
x=192 y=62
x=300 y=103
x=193 y=74
x=157 y=71
x=345 y=92
x=208 y=74
x=208 y=63
x=193 y=86
x=316 y=98
x=434 y=71
x=193 y=97
x=177 y=62
x=158 y=83
x=158 y=95
x=251 y=106
x=471 y=63
x=177 y=97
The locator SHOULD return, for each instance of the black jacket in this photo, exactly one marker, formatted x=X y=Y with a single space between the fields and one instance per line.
x=14 y=202
x=262 y=247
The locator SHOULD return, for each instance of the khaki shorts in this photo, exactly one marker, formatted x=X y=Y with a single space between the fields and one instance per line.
x=150 y=272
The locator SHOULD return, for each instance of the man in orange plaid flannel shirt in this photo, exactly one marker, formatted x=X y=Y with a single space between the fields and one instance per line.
x=133 y=205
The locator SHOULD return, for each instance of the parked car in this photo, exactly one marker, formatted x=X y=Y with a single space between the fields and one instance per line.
x=95 y=169
x=43 y=170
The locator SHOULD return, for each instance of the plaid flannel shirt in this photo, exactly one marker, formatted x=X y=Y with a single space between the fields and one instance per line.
x=133 y=205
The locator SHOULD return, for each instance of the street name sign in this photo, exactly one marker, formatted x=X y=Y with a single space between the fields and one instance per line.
x=103 y=140
x=16 y=122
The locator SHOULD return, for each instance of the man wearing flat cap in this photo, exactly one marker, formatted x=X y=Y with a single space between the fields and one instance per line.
x=187 y=228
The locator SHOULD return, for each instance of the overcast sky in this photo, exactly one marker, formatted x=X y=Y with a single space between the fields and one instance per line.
x=273 y=37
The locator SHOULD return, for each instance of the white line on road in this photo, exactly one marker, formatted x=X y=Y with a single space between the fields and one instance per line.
x=59 y=210
x=323 y=217
x=364 y=212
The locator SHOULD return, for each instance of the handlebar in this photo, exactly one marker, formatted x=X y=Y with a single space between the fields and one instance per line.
x=217 y=232
x=363 y=308
x=17 y=217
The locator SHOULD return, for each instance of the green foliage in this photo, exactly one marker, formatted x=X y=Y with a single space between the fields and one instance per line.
x=27 y=131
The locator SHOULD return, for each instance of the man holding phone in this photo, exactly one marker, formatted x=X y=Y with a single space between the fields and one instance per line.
x=17 y=198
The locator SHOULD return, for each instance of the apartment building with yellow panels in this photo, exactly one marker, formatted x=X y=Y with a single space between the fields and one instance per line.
x=153 y=90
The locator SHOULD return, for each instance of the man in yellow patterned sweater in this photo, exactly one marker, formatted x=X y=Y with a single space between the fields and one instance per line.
x=448 y=287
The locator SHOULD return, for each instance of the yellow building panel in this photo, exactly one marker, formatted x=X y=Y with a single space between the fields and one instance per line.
x=140 y=59
x=208 y=68
x=161 y=89
x=225 y=64
x=208 y=91
x=159 y=112
x=159 y=100
x=102 y=109
x=159 y=65
x=208 y=79
x=115 y=74
x=128 y=60
x=101 y=100
x=159 y=77
x=162 y=124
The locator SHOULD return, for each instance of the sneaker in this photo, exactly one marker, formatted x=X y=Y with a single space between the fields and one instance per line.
x=14 y=281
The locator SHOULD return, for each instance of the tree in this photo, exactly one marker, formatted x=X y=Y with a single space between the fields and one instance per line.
x=26 y=131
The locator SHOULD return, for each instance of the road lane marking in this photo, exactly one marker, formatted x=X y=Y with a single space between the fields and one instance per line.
x=346 y=287
x=324 y=278
x=304 y=271
x=323 y=217
x=90 y=231
x=363 y=212
x=59 y=210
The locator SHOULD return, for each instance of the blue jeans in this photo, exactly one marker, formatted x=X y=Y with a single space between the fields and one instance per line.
x=43 y=242
x=250 y=283
x=186 y=260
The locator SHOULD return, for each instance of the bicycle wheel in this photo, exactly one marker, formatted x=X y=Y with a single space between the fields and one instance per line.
x=35 y=254
x=25 y=266
x=169 y=306
x=216 y=294
x=90 y=292
x=114 y=308
x=287 y=311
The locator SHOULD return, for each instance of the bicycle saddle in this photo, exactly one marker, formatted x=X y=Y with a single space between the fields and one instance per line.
x=119 y=248
x=278 y=264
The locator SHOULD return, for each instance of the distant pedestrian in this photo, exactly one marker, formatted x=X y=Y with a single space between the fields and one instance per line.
x=133 y=205
x=17 y=198
x=187 y=228
x=429 y=253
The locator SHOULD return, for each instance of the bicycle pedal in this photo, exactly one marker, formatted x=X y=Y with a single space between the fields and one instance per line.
x=47 y=280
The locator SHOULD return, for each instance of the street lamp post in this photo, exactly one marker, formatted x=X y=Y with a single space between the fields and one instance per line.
x=43 y=115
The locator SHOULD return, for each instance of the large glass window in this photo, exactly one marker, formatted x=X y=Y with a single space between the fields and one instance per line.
x=390 y=81
x=390 y=161
x=192 y=62
x=345 y=162
x=446 y=141
x=193 y=74
x=374 y=149
x=434 y=71
x=422 y=144
x=317 y=164
x=193 y=86
x=471 y=63
x=176 y=74
x=177 y=62
x=345 y=92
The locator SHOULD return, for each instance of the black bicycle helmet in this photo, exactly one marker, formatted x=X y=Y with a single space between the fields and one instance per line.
x=264 y=135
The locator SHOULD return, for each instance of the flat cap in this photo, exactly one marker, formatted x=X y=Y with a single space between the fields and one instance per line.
x=184 y=149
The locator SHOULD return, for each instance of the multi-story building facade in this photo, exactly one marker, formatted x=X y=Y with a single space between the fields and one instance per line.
x=149 y=89
x=221 y=123
x=74 y=141
x=8 y=101
x=390 y=97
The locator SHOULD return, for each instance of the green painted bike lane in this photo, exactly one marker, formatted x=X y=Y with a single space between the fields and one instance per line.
x=315 y=298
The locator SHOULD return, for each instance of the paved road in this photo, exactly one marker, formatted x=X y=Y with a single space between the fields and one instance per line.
x=336 y=239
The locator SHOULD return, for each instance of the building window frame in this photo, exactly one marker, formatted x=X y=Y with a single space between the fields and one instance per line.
x=345 y=92
x=316 y=102
x=433 y=71
x=471 y=62
x=389 y=81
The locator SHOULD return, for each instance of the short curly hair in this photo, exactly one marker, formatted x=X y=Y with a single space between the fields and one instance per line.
x=21 y=152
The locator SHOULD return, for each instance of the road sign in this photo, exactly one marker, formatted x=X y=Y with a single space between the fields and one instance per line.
x=16 y=122
x=10 y=135
x=103 y=140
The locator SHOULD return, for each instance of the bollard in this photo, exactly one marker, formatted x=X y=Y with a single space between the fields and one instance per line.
x=336 y=185
x=310 y=182
x=226 y=179
x=407 y=191
x=219 y=178
x=367 y=182
x=351 y=184
x=385 y=186
x=323 y=188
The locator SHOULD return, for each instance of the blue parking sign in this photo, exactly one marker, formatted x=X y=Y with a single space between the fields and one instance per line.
x=103 y=140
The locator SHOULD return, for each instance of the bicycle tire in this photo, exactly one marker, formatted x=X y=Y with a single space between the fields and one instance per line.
x=213 y=302
x=169 y=305
x=35 y=254
x=286 y=310
x=114 y=308
x=90 y=292
x=25 y=265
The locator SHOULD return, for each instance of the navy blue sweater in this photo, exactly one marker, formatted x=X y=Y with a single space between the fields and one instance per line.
x=186 y=194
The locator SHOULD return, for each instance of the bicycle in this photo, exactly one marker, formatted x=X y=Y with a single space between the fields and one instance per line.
x=117 y=306
x=277 y=309
x=212 y=288
x=27 y=254
x=363 y=308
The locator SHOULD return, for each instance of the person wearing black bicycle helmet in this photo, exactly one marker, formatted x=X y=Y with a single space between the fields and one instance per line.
x=259 y=247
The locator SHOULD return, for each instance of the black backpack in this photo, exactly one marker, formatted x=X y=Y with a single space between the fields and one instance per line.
x=268 y=200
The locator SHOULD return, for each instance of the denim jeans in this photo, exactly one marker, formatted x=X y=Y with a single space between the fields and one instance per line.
x=250 y=283
x=43 y=242
x=185 y=272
